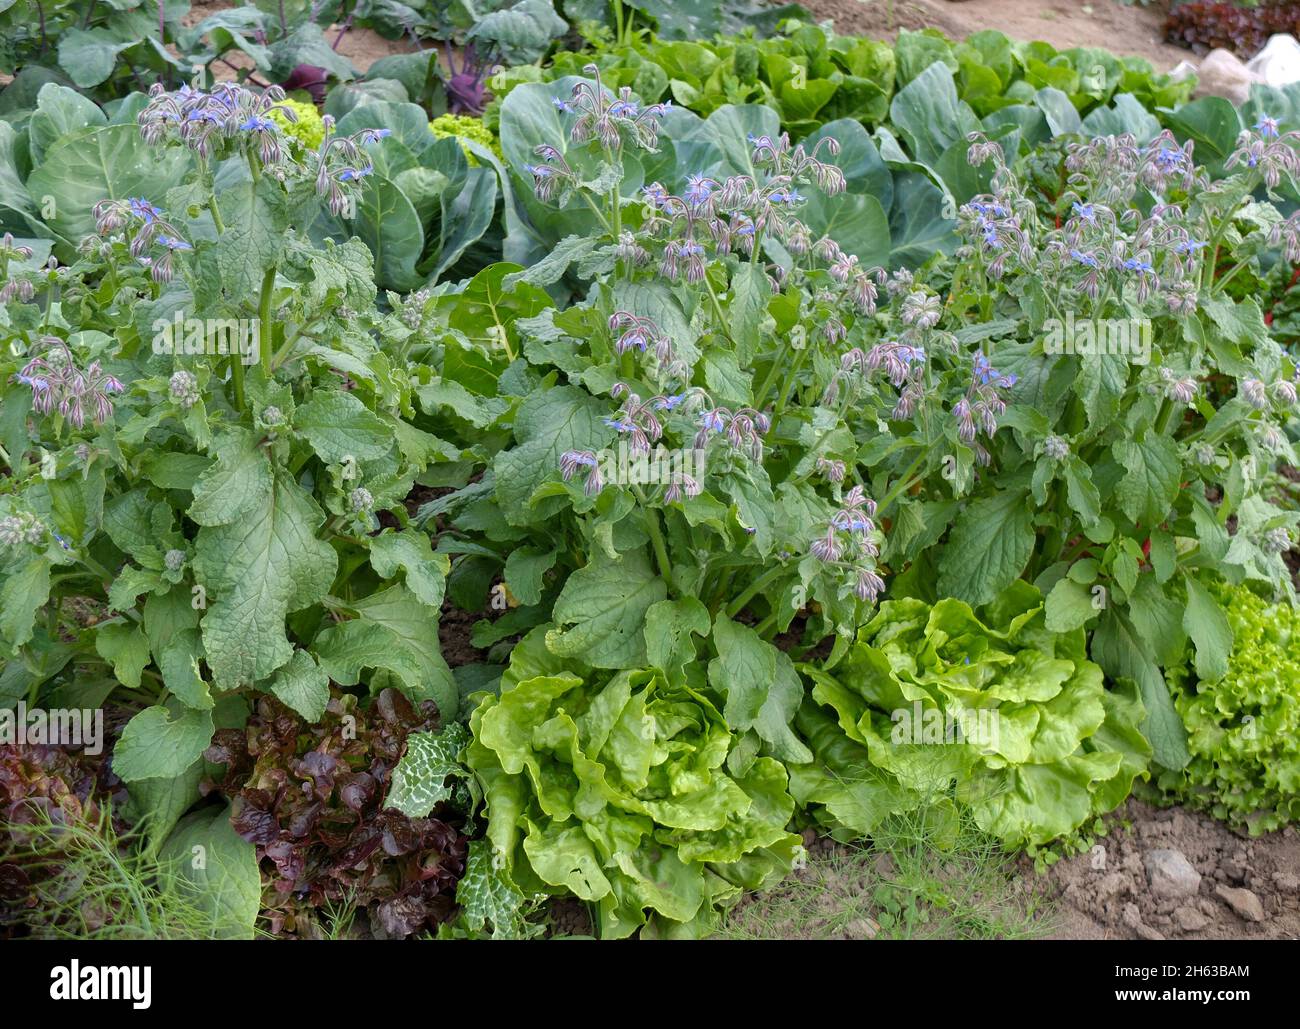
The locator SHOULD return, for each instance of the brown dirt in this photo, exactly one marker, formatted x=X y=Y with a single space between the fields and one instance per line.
x=360 y=46
x=1105 y=894
x=1131 y=29
x=453 y=633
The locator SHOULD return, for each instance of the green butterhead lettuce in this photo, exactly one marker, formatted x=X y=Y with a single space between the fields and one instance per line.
x=1016 y=716
x=616 y=787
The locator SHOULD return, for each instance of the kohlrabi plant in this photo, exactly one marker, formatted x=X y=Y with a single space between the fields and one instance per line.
x=208 y=432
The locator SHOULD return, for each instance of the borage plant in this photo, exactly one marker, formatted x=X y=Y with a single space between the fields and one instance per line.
x=687 y=479
x=1151 y=406
x=209 y=435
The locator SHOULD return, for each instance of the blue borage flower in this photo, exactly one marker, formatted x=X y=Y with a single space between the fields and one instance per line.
x=37 y=384
x=572 y=460
x=795 y=162
x=685 y=254
x=712 y=421
x=553 y=177
x=142 y=209
x=1170 y=159
x=982 y=406
x=205 y=120
x=602 y=119
x=1274 y=155
x=992 y=218
x=699 y=188
x=743 y=428
x=1086 y=212
x=151 y=229
x=355 y=174
x=849 y=538
x=644 y=334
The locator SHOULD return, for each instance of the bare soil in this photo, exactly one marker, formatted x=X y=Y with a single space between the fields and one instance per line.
x=1106 y=894
x=1125 y=29
x=362 y=47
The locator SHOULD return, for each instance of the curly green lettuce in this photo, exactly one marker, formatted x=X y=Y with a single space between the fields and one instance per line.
x=309 y=129
x=1014 y=721
x=463 y=127
x=1243 y=730
x=626 y=792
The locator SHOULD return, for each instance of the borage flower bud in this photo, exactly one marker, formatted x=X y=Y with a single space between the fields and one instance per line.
x=1254 y=393
x=1276 y=541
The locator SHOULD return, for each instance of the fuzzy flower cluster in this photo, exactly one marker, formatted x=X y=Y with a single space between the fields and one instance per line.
x=732 y=215
x=233 y=118
x=598 y=118
x=154 y=241
x=183 y=389
x=360 y=500
x=640 y=422
x=1255 y=393
x=860 y=284
x=214 y=123
x=1181 y=389
x=982 y=405
x=849 y=541
x=21 y=530
x=1267 y=152
x=642 y=335
x=1112 y=241
x=903 y=364
x=57 y=383
x=341 y=165
x=14 y=288
x=1116 y=166
x=604 y=118
x=1056 y=448
x=1276 y=541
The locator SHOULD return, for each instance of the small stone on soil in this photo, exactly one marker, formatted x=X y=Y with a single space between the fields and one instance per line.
x=1245 y=903
x=1190 y=920
x=1171 y=874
